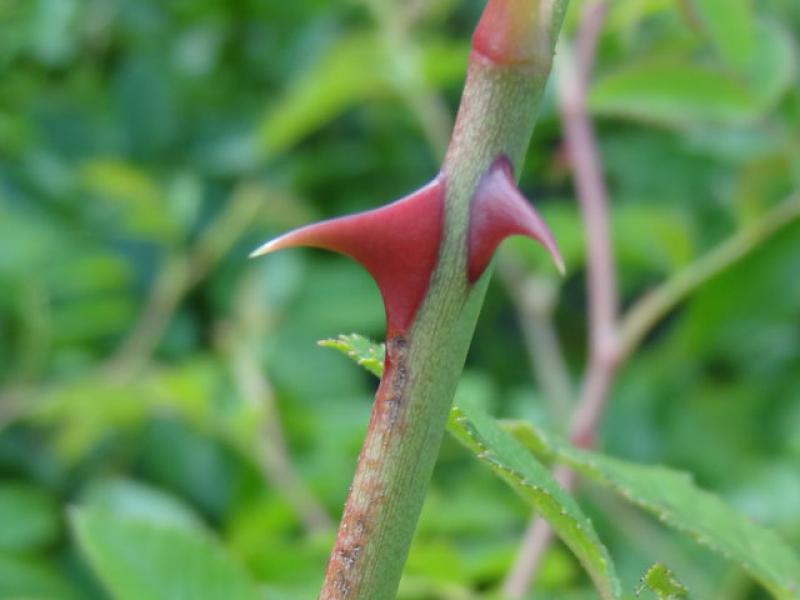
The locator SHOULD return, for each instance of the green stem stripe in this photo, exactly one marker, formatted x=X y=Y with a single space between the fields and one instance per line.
x=644 y=315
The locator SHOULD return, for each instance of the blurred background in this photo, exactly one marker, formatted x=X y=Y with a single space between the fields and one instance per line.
x=149 y=370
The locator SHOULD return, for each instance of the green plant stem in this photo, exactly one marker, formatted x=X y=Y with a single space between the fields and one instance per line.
x=496 y=117
x=533 y=299
x=653 y=307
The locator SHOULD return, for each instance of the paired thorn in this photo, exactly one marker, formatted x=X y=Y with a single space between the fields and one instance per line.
x=398 y=244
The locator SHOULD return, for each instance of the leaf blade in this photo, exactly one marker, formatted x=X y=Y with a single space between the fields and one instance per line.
x=531 y=480
x=360 y=349
x=29 y=518
x=731 y=26
x=676 y=501
x=672 y=93
x=663 y=583
x=140 y=560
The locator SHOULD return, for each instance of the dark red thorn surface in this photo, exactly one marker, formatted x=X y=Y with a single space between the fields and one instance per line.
x=398 y=244
x=499 y=210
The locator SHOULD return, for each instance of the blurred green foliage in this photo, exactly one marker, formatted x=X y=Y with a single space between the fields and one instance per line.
x=158 y=388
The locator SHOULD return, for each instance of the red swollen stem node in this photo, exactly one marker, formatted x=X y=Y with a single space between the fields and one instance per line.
x=510 y=32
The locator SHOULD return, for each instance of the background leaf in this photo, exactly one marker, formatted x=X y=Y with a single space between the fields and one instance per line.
x=139 y=502
x=677 y=502
x=731 y=24
x=29 y=518
x=140 y=560
x=531 y=480
x=672 y=93
x=353 y=70
x=34 y=579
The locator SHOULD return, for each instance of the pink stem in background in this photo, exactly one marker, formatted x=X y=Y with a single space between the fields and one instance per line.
x=591 y=191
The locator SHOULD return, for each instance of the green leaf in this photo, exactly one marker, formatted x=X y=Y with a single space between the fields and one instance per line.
x=33 y=579
x=673 y=497
x=52 y=37
x=362 y=350
x=668 y=92
x=660 y=580
x=731 y=26
x=138 y=560
x=324 y=90
x=139 y=501
x=29 y=518
x=531 y=480
x=135 y=201
x=773 y=70
x=354 y=69
x=677 y=91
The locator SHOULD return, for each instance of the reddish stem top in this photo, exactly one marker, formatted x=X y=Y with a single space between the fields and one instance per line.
x=510 y=32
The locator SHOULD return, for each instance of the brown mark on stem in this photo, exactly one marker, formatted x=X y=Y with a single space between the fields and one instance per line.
x=368 y=492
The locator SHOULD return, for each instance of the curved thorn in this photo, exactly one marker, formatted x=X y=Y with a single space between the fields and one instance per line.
x=398 y=244
x=499 y=210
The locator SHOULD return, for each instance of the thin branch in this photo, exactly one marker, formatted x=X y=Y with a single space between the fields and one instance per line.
x=272 y=451
x=530 y=297
x=240 y=342
x=505 y=78
x=591 y=190
x=170 y=285
x=654 y=306
x=534 y=301
x=395 y=20
x=178 y=274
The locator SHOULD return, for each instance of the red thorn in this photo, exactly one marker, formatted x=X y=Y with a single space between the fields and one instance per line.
x=397 y=244
x=498 y=210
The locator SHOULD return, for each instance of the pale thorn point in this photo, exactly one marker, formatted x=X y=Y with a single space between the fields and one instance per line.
x=265 y=248
x=549 y=243
x=559 y=260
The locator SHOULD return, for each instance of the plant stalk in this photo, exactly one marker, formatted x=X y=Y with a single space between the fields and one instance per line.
x=654 y=306
x=496 y=118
